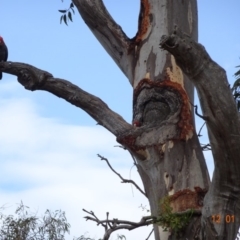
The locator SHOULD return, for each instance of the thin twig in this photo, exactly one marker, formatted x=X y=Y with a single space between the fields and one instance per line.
x=116 y=224
x=199 y=133
x=199 y=115
x=134 y=160
x=134 y=164
x=120 y=146
x=107 y=214
x=206 y=147
x=150 y=234
x=123 y=179
x=130 y=178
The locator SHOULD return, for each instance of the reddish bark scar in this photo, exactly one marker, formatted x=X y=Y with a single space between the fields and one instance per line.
x=143 y=24
x=185 y=122
x=144 y=21
x=185 y=115
x=187 y=199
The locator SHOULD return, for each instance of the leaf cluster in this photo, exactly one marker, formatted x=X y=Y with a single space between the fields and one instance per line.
x=236 y=88
x=67 y=14
x=170 y=221
x=27 y=226
x=83 y=237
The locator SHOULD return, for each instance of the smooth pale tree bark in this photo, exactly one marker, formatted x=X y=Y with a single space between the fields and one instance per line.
x=162 y=137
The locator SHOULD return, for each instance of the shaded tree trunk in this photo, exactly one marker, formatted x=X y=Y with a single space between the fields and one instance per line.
x=167 y=150
x=162 y=138
x=164 y=142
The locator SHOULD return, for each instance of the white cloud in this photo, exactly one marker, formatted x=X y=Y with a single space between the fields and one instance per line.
x=51 y=165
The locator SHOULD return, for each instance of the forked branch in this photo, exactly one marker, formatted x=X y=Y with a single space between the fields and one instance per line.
x=108 y=33
x=217 y=103
x=119 y=175
x=111 y=225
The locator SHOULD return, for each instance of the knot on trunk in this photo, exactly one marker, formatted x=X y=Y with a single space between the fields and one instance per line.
x=160 y=102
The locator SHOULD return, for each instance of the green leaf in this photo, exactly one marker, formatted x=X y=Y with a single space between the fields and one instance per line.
x=236 y=84
x=71 y=5
x=70 y=16
x=62 y=11
x=65 y=19
x=236 y=95
x=61 y=18
x=73 y=10
x=237 y=73
x=238 y=105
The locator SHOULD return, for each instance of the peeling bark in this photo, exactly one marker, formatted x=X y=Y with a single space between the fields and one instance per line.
x=33 y=79
x=217 y=102
x=162 y=138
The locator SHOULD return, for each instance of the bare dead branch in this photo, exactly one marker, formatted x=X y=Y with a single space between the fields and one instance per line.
x=120 y=146
x=33 y=79
x=134 y=160
x=199 y=115
x=116 y=224
x=150 y=234
x=199 y=133
x=216 y=101
x=119 y=175
x=206 y=147
x=209 y=78
x=111 y=225
x=108 y=33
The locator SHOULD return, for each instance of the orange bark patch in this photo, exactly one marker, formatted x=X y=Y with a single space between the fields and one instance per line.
x=129 y=142
x=143 y=24
x=187 y=199
x=185 y=122
x=144 y=21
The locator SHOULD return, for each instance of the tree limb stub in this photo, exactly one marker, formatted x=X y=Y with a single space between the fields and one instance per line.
x=223 y=126
x=215 y=97
x=33 y=79
x=209 y=78
x=108 y=33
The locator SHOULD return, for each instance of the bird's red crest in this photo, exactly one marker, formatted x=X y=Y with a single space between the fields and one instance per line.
x=1 y=39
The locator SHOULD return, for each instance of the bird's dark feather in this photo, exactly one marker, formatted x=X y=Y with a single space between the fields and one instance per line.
x=3 y=54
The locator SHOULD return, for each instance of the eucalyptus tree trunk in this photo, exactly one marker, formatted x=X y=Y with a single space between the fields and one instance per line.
x=162 y=137
x=164 y=142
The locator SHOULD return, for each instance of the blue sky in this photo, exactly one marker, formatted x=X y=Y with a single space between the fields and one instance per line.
x=47 y=146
